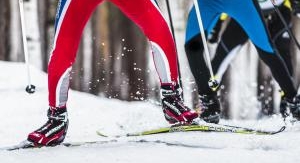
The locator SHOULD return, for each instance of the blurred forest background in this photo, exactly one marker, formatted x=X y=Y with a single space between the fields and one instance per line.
x=114 y=60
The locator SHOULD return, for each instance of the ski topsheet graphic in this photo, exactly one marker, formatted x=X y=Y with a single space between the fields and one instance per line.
x=207 y=127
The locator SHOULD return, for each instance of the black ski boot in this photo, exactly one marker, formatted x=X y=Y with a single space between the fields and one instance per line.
x=210 y=108
x=173 y=107
x=290 y=106
x=53 y=132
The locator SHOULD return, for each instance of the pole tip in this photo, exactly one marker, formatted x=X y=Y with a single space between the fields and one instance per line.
x=30 y=89
x=213 y=84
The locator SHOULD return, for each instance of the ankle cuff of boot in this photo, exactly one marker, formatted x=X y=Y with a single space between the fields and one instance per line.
x=170 y=90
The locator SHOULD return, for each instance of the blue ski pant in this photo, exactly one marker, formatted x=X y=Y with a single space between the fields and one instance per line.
x=245 y=12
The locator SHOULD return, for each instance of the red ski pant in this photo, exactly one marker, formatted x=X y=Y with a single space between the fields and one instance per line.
x=72 y=15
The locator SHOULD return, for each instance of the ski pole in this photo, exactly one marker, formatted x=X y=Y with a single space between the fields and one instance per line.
x=170 y=18
x=291 y=34
x=213 y=83
x=30 y=88
x=173 y=33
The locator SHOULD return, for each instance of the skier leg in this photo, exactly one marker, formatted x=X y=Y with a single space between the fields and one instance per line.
x=282 y=41
x=260 y=37
x=290 y=102
x=232 y=39
x=158 y=32
x=155 y=27
x=194 y=45
x=280 y=35
x=70 y=22
x=72 y=16
x=210 y=105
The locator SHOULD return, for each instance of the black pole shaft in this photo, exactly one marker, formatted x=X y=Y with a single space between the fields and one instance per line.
x=173 y=33
x=170 y=18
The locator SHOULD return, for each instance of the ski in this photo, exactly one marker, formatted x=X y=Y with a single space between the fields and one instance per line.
x=22 y=145
x=29 y=145
x=200 y=127
x=87 y=143
x=77 y=144
x=178 y=128
x=207 y=127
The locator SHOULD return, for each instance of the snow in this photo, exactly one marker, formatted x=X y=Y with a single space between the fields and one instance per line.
x=21 y=113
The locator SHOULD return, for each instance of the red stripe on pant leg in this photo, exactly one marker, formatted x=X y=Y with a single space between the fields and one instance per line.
x=155 y=27
x=66 y=45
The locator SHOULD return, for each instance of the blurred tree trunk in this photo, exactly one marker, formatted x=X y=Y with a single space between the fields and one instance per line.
x=296 y=51
x=47 y=12
x=100 y=49
x=43 y=11
x=127 y=54
x=265 y=89
x=134 y=59
x=82 y=68
x=77 y=69
x=225 y=87
x=114 y=21
x=5 y=29
x=31 y=22
x=243 y=78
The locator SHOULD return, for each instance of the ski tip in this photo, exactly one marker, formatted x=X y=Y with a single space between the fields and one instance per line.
x=279 y=131
x=282 y=128
x=101 y=134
